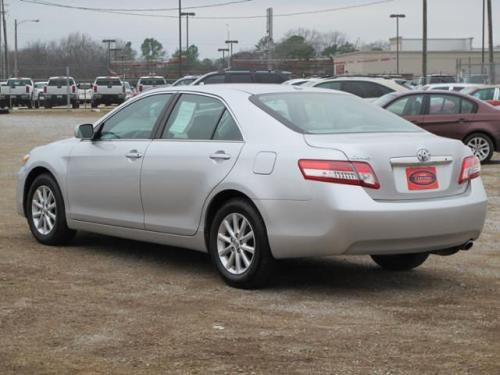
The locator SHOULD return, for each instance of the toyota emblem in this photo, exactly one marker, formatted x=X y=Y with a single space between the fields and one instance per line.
x=423 y=155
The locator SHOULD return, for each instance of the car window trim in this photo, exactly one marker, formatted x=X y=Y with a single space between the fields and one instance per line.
x=422 y=112
x=98 y=127
x=163 y=127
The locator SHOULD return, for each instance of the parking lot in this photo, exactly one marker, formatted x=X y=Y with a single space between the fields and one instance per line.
x=116 y=306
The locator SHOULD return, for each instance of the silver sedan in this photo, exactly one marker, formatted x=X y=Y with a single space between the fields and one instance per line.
x=255 y=173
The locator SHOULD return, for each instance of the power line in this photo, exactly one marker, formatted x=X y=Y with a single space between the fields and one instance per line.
x=291 y=14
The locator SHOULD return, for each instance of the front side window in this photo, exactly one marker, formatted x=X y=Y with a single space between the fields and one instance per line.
x=135 y=121
x=485 y=94
x=329 y=113
x=444 y=104
x=408 y=106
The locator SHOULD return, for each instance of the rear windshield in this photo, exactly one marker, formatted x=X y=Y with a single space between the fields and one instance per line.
x=60 y=82
x=40 y=85
x=152 y=81
x=108 y=82
x=18 y=82
x=324 y=113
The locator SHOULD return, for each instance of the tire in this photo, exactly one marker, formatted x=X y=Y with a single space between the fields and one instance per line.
x=75 y=105
x=244 y=270
x=93 y=105
x=45 y=188
x=29 y=105
x=37 y=104
x=481 y=145
x=47 y=106
x=400 y=262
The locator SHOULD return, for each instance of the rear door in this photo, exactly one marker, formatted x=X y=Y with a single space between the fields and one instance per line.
x=198 y=147
x=410 y=107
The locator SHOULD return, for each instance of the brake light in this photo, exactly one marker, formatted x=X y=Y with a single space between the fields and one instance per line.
x=95 y=88
x=340 y=172
x=73 y=89
x=140 y=88
x=471 y=168
x=27 y=89
x=44 y=89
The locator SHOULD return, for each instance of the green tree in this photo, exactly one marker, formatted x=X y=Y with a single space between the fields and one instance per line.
x=152 y=49
x=189 y=56
x=294 y=46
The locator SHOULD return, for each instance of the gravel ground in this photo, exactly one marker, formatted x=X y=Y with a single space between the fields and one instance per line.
x=105 y=305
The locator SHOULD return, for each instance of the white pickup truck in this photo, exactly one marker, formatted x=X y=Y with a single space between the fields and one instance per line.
x=107 y=91
x=4 y=96
x=56 y=92
x=20 y=91
x=150 y=82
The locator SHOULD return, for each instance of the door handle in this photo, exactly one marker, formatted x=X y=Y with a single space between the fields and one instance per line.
x=133 y=154
x=220 y=155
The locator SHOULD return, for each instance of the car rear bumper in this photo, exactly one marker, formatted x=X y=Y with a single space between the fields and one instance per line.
x=348 y=221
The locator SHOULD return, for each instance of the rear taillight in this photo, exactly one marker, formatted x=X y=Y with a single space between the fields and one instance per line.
x=95 y=88
x=27 y=89
x=73 y=89
x=140 y=88
x=471 y=168
x=44 y=89
x=340 y=172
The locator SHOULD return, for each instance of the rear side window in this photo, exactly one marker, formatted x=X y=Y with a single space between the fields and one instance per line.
x=194 y=117
x=240 y=78
x=108 y=82
x=444 y=104
x=485 y=94
x=213 y=79
x=355 y=88
x=407 y=106
x=60 y=82
x=468 y=106
x=153 y=81
x=374 y=90
x=227 y=130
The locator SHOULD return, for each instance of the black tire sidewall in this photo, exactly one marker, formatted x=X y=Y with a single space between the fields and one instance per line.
x=258 y=272
x=60 y=232
x=487 y=139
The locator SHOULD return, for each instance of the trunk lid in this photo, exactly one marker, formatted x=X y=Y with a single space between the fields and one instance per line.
x=394 y=158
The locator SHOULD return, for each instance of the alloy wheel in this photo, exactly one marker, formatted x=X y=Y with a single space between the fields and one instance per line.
x=236 y=243
x=44 y=210
x=480 y=147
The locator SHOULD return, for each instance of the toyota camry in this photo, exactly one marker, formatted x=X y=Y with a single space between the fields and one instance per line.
x=256 y=173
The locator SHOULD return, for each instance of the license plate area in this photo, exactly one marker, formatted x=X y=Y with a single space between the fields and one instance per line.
x=422 y=178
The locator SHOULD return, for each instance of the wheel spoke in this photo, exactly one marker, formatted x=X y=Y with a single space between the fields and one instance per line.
x=248 y=249
x=225 y=251
x=245 y=259
x=230 y=262
x=238 y=263
x=243 y=227
x=221 y=237
x=229 y=229
x=247 y=236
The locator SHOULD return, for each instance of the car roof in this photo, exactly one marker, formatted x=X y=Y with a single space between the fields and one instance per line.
x=151 y=77
x=382 y=81
x=107 y=77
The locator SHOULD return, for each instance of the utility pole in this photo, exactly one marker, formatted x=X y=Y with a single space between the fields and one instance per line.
x=187 y=15
x=269 y=14
x=490 y=43
x=223 y=50
x=483 y=38
x=424 y=41
x=397 y=17
x=108 y=42
x=180 y=38
x=2 y=65
x=231 y=42
x=5 y=47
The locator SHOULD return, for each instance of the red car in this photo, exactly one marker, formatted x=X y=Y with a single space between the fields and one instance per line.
x=489 y=94
x=450 y=114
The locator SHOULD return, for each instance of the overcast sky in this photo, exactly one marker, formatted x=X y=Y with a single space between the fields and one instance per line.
x=447 y=18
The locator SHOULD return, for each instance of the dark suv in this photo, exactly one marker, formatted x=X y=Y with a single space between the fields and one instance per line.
x=243 y=76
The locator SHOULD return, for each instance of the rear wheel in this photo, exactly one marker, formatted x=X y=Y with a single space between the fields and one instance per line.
x=46 y=213
x=239 y=247
x=481 y=146
x=400 y=262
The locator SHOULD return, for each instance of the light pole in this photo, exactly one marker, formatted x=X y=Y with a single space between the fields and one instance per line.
x=231 y=42
x=223 y=50
x=397 y=17
x=180 y=38
x=424 y=40
x=483 y=38
x=109 y=42
x=16 y=24
x=187 y=15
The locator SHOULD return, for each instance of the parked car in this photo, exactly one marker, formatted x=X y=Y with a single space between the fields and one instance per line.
x=150 y=82
x=489 y=94
x=364 y=87
x=450 y=114
x=20 y=92
x=38 y=95
x=450 y=86
x=254 y=173
x=4 y=96
x=129 y=90
x=107 y=91
x=186 y=80
x=58 y=90
x=242 y=76
x=298 y=81
x=85 y=92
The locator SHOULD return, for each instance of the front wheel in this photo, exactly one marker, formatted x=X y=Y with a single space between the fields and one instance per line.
x=46 y=213
x=239 y=247
x=400 y=262
x=481 y=146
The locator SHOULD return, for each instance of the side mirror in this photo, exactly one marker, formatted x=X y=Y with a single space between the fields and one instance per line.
x=84 y=131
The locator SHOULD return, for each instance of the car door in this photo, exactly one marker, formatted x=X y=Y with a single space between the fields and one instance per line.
x=103 y=179
x=410 y=107
x=197 y=149
x=442 y=114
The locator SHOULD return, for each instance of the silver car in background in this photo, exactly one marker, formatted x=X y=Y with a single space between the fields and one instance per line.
x=255 y=173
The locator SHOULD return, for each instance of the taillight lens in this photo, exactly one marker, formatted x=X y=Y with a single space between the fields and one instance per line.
x=471 y=168
x=73 y=89
x=27 y=89
x=95 y=88
x=340 y=172
x=44 y=89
